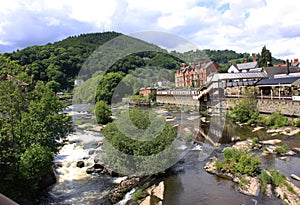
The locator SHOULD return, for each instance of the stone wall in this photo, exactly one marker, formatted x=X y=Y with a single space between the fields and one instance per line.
x=177 y=100
x=286 y=107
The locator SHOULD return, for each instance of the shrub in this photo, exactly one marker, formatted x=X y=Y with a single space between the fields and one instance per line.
x=245 y=111
x=276 y=119
x=102 y=112
x=277 y=178
x=239 y=162
x=255 y=141
x=137 y=195
x=296 y=122
x=265 y=179
x=281 y=149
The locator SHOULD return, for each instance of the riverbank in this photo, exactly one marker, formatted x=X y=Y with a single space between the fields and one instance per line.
x=253 y=183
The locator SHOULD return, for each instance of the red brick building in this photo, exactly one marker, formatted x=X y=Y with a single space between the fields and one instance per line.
x=147 y=90
x=194 y=75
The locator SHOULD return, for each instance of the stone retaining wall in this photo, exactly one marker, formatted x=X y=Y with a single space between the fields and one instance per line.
x=286 y=107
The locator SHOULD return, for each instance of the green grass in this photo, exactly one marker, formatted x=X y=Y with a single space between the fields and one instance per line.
x=137 y=195
x=281 y=149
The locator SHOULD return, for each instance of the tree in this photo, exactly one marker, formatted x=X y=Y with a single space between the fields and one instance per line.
x=102 y=112
x=107 y=86
x=152 y=96
x=141 y=141
x=265 y=58
x=31 y=127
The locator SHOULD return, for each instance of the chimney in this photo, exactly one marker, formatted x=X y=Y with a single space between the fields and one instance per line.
x=287 y=67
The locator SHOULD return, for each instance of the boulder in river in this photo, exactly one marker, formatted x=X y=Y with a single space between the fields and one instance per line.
x=90 y=170
x=80 y=164
x=271 y=142
x=294 y=176
x=251 y=187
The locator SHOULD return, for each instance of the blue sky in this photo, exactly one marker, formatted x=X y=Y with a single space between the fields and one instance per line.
x=243 y=26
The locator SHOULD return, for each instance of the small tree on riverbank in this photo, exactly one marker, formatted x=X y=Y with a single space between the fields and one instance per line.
x=102 y=112
x=245 y=110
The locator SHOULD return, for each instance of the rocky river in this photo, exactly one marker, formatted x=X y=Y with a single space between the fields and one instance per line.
x=79 y=181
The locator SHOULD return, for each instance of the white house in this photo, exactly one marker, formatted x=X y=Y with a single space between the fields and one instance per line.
x=244 y=67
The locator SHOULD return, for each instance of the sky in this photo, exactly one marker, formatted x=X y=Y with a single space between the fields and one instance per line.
x=239 y=25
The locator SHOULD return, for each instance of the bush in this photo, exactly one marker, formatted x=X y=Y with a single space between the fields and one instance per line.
x=239 y=162
x=296 y=122
x=281 y=149
x=245 y=111
x=265 y=179
x=137 y=195
x=255 y=141
x=277 y=178
x=276 y=119
x=102 y=112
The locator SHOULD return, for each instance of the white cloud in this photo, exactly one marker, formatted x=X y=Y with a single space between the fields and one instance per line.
x=244 y=26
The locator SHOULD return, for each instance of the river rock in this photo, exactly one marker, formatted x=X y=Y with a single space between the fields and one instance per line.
x=294 y=176
x=210 y=166
x=288 y=196
x=257 y=128
x=90 y=170
x=125 y=186
x=159 y=191
x=246 y=145
x=146 y=201
x=98 y=166
x=269 y=190
x=271 y=142
x=296 y=149
x=290 y=153
x=80 y=164
x=252 y=186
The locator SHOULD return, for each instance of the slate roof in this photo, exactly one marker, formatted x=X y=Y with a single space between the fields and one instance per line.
x=247 y=66
x=277 y=81
x=237 y=76
x=272 y=71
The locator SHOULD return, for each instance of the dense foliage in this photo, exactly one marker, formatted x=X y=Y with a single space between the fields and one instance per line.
x=60 y=62
x=30 y=127
x=245 y=110
x=139 y=134
x=265 y=58
x=276 y=120
x=102 y=112
x=274 y=178
x=239 y=162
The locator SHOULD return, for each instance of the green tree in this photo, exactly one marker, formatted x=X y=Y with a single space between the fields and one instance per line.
x=141 y=134
x=107 y=86
x=245 y=110
x=265 y=58
x=102 y=112
x=152 y=96
x=30 y=128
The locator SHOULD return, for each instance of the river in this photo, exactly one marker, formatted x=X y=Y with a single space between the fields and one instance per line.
x=188 y=184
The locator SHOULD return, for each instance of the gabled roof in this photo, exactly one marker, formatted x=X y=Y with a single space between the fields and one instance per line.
x=236 y=76
x=272 y=71
x=247 y=66
x=277 y=81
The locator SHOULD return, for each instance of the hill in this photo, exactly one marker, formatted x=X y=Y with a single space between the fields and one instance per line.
x=58 y=63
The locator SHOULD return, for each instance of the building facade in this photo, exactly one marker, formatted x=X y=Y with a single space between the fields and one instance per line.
x=194 y=75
